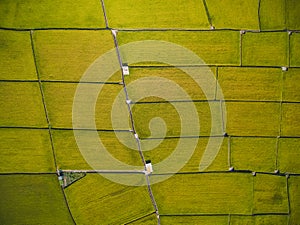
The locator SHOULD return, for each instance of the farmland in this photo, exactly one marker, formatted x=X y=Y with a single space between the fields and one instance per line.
x=224 y=150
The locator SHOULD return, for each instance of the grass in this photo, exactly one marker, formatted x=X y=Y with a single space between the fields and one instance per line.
x=289 y=155
x=195 y=220
x=272 y=19
x=177 y=123
x=294 y=50
x=294 y=184
x=270 y=194
x=290 y=114
x=25 y=151
x=217 y=193
x=259 y=220
x=21 y=105
x=69 y=155
x=156 y=14
x=45 y=14
x=31 y=199
x=290 y=90
x=234 y=14
x=255 y=154
x=164 y=149
x=293 y=16
x=66 y=55
x=252 y=118
x=173 y=75
x=94 y=199
x=206 y=44
x=264 y=49
x=250 y=83
x=16 y=60
x=60 y=106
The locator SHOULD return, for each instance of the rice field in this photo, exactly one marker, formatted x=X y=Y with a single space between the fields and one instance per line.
x=251 y=50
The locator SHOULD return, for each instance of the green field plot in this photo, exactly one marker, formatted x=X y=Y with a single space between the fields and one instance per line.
x=31 y=200
x=290 y=120
x=250 y=83
x=25 y=151
x=165 y=148
x=60 y=105
x=16 y=60
x=96 y=200
x=204 y=193
x=294 y=49
x=289 y=154
x=175 y=119
x=270 y=194
x=148 y=220
x=173 y=75
x=21 y=105
x=69 y=156
x=272 y=19
x=213 y=47
x=255 y=154
x=66 y=55
x=291 y=89
x=252 y=118
x=259 y=220
x=293 y=15
x=294 y=185
x=194 y=220
x=264 y=49
x=46 y=14
x=234 y=14
x=156 y=14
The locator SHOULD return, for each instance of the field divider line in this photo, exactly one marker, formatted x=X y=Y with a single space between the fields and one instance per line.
x=137 y=219
x=43 y=98
x=229 y=152
x=288 y=194
x=258 y=14
x=48 y=120
x=207 y=13
x=106 y=171
x=104 y=13
x=134 y=130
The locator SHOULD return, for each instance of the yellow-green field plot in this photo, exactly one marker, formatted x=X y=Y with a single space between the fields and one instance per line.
x=217 y=193
x=160 y=150
x=66 y=55
x=69 y=155
x=31 y=199
x=270 y=194
x=259 y=220
x=290 y=120
x=21 y=105
x=24 y=150
x=294 y=185
x=194 y=220
x=213 y=47
x=255 y=154
x=240 y=83
x=291 y=89
x=293 y=16
x=234 y=14
x=264 y=49
x=253 y=118
x=174 y=75
x=60 y=106
x=294 y=49
x=94 y=199
x=272 y=19
x=16 y=60
x=46 y=14
x=176 y=122
x=289 y=154
x=156 y=14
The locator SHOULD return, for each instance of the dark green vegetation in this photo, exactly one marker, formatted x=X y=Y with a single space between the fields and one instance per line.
x=46 y=47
